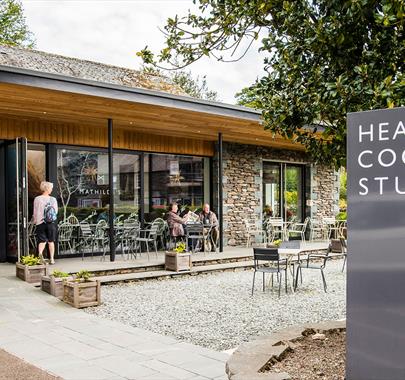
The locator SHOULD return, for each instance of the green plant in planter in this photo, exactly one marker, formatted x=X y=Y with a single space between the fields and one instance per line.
x=30 y=260
x=59 y=274
x=83 y=275
x=180 y=248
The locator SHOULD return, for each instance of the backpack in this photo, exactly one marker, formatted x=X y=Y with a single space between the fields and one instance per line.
x=50 y=215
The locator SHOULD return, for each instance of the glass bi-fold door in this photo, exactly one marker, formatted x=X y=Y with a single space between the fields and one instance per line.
x=283 y=191
x=17 y=199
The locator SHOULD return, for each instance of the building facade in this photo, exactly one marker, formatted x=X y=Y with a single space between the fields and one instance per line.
x=108 y=144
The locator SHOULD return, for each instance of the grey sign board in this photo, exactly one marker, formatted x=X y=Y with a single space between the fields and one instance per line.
x=376 y=245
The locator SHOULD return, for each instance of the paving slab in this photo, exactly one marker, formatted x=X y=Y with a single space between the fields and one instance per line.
x=74 y=345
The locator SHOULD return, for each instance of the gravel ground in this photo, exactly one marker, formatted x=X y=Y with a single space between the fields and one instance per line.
x=13 y=368
x=217 y=310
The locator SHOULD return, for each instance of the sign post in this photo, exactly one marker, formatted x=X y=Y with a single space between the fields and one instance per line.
x=376 y=245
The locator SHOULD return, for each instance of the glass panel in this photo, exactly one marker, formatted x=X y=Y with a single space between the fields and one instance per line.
x=12 y=193
x=174 y=178
x=126 y=185
x=271 y=190
x=36 y=172
x=83 y=196
x=293 y=193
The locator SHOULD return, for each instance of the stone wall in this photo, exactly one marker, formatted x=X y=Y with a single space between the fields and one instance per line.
x=242 y=178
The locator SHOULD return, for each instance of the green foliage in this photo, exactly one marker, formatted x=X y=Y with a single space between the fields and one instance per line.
x=83 y=275
x=343 y=184
x=323 y=59
x=13 y=27
x=277 y=242
x=30 y=260
x=341 y=215
x=180 y=248
x=59 y=274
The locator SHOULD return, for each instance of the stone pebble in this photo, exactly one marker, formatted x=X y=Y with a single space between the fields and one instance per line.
x=217 y=310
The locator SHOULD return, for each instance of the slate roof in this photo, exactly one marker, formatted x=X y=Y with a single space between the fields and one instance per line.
x=84 y=69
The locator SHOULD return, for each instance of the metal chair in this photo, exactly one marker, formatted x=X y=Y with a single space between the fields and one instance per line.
x=307 y=264
x=316 y=229
x=86 y=237
x=275 y=229
x=149 y=236
x=196 y=233
x=129 y=235
x=161 y=232
x=299 y=228
x=65 y=237
x=269 y=256
x=331 y=226
x=100 y=238
x=72 y=219
x=252 y=230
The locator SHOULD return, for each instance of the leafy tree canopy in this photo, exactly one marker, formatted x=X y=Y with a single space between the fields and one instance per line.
x=13 y=28
x=324 y=58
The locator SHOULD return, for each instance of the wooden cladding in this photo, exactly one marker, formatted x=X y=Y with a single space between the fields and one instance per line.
x=95 y=135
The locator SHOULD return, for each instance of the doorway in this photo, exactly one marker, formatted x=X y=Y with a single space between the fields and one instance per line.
x=24 y=172
x=284 y=191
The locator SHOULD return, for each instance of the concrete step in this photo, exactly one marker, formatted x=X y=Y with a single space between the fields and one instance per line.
x=132 y=267
x=141 y=276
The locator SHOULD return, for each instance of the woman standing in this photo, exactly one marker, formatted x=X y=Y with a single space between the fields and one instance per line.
x=45 y=217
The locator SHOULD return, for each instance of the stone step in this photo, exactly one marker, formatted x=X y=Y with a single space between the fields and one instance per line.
x=141 y=276
x=133 y=267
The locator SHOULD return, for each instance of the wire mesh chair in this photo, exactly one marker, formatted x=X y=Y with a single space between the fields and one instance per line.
x=275 y=229
x=252 y=231
x=148 y=236
x=161 y=232
x=72 y=219
x=100 y=238
x=86 y=238
x=317 y=229
x=299 y=229
x=65 y=231
x=129 y=236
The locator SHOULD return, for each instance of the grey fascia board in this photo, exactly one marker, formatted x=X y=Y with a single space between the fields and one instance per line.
x=39 y=79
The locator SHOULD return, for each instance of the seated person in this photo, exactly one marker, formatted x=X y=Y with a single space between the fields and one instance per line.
x=207 y=217
x=174 y=221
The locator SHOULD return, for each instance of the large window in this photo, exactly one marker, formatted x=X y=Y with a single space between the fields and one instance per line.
x=126 y=184
x=173 y=178
x=82 y=183
x=283 y=191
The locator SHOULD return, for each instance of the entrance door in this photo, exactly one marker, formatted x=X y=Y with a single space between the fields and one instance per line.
x=293 y=193
x=283 y=191
x=25 y=170
x=17 y=199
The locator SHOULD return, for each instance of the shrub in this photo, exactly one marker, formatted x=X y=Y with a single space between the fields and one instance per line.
x=30 y=260
x=83 y=275
x=59 y=274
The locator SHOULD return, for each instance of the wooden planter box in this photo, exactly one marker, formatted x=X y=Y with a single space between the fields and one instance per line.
x=82 y=294
x=31 y=274
x=54 y=285
x=178 y=261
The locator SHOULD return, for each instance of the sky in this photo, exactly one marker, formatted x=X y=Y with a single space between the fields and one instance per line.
x=112 y=31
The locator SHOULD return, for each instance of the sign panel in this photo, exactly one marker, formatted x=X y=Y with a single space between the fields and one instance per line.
x=376 y=245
